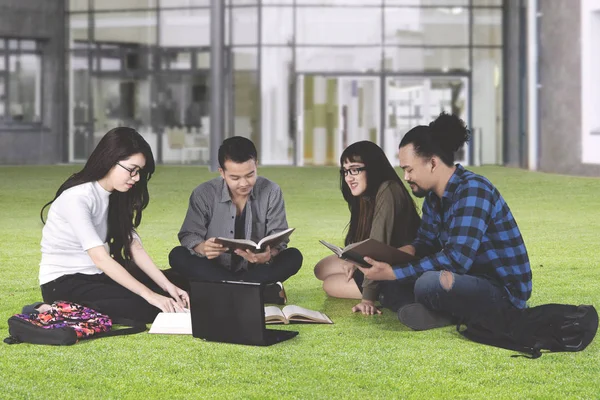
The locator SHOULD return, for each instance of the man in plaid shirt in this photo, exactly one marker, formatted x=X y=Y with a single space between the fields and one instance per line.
x=470 y=256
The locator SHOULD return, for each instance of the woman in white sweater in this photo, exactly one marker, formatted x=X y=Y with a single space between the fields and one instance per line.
x=90 y=249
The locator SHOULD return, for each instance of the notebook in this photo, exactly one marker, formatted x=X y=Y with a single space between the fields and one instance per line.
x=232 y=312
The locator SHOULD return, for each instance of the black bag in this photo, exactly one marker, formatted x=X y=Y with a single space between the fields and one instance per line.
x=551 y=327
x=64 y=323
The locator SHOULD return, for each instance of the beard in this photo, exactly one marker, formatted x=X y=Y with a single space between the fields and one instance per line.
x=417 y=191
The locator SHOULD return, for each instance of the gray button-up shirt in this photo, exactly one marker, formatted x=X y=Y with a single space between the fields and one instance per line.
x=211 y=213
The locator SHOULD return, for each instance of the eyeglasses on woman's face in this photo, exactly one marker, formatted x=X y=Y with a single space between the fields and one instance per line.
x=352 y=171
x=133 y=172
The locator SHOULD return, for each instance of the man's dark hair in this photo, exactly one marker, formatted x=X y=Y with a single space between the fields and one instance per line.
x=237 y=149
x=443 y=137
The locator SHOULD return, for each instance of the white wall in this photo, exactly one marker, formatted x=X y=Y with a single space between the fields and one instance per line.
x=590 y=81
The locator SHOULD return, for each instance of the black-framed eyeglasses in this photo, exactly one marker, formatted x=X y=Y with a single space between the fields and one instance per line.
x=352 y=171
x=133 y=172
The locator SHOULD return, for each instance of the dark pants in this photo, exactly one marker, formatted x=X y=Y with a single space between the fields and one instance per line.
x=105 y=295
x=468 y=298
x=190 y=266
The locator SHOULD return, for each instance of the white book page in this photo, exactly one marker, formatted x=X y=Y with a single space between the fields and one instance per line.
x=271 y=311
x=172 y=323
x=297 y=311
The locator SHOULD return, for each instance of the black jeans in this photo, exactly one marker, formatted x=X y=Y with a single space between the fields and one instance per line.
x=105 y=295
x=190 y=266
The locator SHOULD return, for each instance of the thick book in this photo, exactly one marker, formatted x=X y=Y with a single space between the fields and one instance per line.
x=172 y=324
x=379 y=251
x=294 y=314
x=245 y=244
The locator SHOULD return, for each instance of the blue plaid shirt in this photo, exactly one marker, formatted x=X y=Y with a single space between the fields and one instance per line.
x=471 y=231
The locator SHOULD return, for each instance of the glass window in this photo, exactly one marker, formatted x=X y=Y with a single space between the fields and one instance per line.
x=427 y=26
x=79 y=26
x=487 y=105
x=183 y=28
x=444 y=60
x=494 y=3
x=338 y=25
x=428 y=2
x=355 y=59
x=183 y=3
x=245 y=25
x=2 y=98
x=78 y=5
x=124 y=4
x=24 y=103
x=277 y=25
x=278 y=111
x=366 y=3
x=126 y=27
x=487 y=26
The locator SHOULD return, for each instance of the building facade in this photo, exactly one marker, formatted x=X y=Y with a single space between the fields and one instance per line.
x=303 y=78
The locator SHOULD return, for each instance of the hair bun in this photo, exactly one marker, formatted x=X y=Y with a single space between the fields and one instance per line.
x=450 y=132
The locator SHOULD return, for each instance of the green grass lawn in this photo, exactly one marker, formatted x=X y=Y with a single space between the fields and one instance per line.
x=357 y=357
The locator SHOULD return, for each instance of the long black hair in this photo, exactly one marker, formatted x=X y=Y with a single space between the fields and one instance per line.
x=378 y=170
x=124 y=209
x=443 y=137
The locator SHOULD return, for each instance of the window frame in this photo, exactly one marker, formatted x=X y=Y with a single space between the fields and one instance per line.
x=8 y=49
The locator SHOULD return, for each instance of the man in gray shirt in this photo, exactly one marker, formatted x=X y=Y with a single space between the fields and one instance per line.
x=242 y=205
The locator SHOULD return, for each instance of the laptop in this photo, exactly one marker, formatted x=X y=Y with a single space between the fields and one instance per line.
x=232 y=312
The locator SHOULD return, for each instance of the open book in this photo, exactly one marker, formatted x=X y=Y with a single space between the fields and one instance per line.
x=291 y=313
x=172 y=323
x=245 y=244
x=375 y=249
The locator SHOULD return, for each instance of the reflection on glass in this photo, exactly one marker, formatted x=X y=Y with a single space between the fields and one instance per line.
x=25 y=87
x=245 y=25
x=123 y=4
x=487 y=105
x=445 y=60
x=355 y=59
x=278 y=106
x=184 y=28
x=277 y=25
x=2 y=99
x=487 y=27
x=427 y=26
x=128 y=27
x=338 y=25
x=428 y=2
x=412 y=101
x=78 y=24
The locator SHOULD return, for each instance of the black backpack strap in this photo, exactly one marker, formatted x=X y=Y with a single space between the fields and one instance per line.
x=133 y=327
x=481 y=335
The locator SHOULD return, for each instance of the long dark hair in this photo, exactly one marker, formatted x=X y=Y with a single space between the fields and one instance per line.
x=443 y=137
x=378 y=170
x=124 y=209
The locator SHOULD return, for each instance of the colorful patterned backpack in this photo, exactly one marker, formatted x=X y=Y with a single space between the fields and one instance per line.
x=64 y=323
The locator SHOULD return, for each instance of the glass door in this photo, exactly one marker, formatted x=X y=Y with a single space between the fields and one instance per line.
x=412 y=101
x=333 y=112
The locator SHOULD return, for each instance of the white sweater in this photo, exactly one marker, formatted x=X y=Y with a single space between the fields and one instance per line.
x=77 y=221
